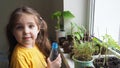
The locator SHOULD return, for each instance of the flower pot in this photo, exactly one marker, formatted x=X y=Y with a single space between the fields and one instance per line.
x=82 y=64
x=59 y=34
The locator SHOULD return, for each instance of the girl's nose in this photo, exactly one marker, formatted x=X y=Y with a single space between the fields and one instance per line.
x=26 y=30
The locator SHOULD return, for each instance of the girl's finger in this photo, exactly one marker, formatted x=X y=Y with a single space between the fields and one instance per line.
x=48 y=60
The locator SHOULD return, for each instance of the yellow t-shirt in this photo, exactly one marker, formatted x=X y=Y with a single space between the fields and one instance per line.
x=27 y=58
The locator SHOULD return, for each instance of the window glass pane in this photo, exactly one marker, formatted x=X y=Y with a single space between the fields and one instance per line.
x=107 y=18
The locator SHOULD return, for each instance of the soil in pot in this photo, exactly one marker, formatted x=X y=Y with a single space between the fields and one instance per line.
x=61 y=41
x=112 y=62
x=67 y=46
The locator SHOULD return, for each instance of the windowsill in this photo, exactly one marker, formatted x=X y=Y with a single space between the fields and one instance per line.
x=69 y=60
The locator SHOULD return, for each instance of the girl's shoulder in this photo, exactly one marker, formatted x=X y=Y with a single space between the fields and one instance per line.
x=18 y=51
x=21 y=51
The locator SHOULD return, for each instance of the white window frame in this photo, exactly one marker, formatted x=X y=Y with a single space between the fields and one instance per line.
x=91 y=16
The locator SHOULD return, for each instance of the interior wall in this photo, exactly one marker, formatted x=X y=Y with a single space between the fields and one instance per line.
x=80 y=9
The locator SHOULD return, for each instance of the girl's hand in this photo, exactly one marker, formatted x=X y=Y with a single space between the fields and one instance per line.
x=56 y=63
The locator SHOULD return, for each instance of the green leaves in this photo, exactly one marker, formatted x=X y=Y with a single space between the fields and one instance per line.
x=84 y=50
x=110 y=42
x=64 y=14
x=58 y=15
x=80 y=32
x=68 y=15
x=107 y=41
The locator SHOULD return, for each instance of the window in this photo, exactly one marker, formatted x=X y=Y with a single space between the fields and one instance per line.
x=105 y=18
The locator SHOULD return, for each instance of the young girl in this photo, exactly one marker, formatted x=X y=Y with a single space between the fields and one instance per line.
x=28 y=39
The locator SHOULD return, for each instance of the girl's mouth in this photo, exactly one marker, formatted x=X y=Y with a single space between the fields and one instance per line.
x=26 y=38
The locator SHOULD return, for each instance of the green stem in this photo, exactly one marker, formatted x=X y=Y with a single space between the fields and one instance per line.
x=58 y=23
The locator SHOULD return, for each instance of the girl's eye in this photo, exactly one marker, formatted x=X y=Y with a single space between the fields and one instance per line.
x=19 y=27
x=31 y=26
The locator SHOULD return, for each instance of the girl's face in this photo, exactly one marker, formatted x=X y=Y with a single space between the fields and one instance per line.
x=26 y=30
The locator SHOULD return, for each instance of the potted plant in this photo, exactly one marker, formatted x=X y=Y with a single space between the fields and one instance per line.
x=109 y=43
x=59 y=16
x=83 y=48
